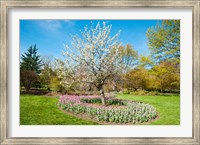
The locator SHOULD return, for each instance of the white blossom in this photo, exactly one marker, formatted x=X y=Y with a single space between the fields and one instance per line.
x=92 y=57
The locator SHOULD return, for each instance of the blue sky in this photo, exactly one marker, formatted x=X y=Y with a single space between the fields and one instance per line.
x=50 y=36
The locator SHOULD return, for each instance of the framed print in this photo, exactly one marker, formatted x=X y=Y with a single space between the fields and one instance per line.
x=100 y=72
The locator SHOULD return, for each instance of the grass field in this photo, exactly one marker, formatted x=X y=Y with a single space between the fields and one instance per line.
x=42 y=110
x=168 y=107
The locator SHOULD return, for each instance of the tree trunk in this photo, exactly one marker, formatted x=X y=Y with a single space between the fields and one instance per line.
x=103 y=99
x=28 y=87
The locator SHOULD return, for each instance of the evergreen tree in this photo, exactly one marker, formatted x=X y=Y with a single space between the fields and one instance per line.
x=29 y=67
x=30 y=60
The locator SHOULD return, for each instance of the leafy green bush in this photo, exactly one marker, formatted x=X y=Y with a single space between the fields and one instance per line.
x=126 y=91
x=91 y=100
x=109 y=101
x=112 y=101
x=153 y=93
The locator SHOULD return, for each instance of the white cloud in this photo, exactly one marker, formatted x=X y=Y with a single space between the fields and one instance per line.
x=69 y=22
x=53 y=25
x=50 y=25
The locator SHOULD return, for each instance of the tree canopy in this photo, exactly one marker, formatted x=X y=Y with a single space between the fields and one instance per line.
x=129 y=57
x=94 y=55
x=164 y=40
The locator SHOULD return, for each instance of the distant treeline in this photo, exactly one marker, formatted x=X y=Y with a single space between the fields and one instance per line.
x=159 y=71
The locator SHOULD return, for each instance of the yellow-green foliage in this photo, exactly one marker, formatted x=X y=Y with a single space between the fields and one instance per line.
x=164 y=40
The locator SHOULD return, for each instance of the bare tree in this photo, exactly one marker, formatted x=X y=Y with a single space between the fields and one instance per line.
x=93 y=57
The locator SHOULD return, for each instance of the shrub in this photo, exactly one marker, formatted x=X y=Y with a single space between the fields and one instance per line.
x=93 y=100
x=153 y=93
x=126 y=91
x=109 y=101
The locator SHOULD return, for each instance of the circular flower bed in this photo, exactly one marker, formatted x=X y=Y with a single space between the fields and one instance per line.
x=116 y=110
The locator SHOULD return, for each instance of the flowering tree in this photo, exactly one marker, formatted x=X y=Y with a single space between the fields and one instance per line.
x=93 y=57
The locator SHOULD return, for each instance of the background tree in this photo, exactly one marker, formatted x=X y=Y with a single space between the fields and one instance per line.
x=29 y=67
x=46 y=71
x=164 y=40
x=27 y=78
x=164 y=44
x=67 y=76
x=145 y=61
x=167 y=77
x=129 y=57
x=137 y=79
x=96 y=56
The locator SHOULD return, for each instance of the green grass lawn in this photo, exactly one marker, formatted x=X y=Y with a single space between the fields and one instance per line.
x=42 y=110
x=168 y=107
